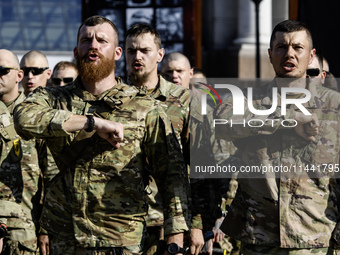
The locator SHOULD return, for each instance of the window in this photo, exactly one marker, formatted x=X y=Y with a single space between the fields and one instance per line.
x=167 y=16
x=45 y=25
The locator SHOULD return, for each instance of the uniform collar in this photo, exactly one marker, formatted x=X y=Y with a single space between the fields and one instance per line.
x=115 y=96
x=11 y=105
x=162 y=89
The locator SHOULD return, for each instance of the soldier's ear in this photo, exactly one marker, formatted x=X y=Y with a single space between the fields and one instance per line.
x=20 y=75
x=75 y=52
x=49 y=73
x=118 y=53
x=312 y=55
x=270 y=55
x=161 y=53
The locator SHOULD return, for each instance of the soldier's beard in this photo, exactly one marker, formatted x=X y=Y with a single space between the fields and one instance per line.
x=138 y=78
x=93 y=72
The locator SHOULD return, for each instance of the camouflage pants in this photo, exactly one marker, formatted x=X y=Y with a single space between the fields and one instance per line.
x=260 y=250
x=63 y=247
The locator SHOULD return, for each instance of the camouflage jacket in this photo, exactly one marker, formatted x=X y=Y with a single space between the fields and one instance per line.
x=295 y=207
x=47 y=164
x=206 y=193
x=20 y=182
x=175 y=101
x=98 y=198
x=205 y=198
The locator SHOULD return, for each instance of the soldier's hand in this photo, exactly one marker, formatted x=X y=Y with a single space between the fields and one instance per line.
x=312 y=128
x=44 y=244
x=209 y=247
x=218 y=234
x=113 y=132
x=196 y=241
x=307 y=126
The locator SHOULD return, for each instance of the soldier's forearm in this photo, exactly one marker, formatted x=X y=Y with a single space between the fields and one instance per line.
x=76 y=123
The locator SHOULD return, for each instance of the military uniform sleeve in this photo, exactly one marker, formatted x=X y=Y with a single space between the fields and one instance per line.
x=168 y=169
x=46 y=163
x=229 y=126
x=185 y=134
x=8 y=137
x=205 y=193
x=35 y=117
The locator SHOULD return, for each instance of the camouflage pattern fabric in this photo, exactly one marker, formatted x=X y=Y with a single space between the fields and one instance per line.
x=175 y=101
x=99 y=199
x=285 y=209
x=204 y=197
x=206 y=193
x=222 y=191
x=67 y=247
x=260 y=250
x=47 y=164
x=20 y=186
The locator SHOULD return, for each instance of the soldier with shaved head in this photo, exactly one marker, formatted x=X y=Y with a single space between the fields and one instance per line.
x=177 y=66
x=36 y=71
x=23 y=163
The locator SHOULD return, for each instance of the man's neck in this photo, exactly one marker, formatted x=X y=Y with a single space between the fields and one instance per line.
x=150 y=83
x=99 y=87
x=291 y=82
x=8 y=98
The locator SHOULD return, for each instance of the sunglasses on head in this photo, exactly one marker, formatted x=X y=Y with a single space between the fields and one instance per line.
x=57 y=81
x=6 y=69
x=313 y=72
x=33 y=70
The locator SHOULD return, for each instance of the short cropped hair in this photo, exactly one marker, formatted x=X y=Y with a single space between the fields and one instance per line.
x=140 y=29
x=319 y=56
x=98 y=20
x=289 y=26
x=65 y=64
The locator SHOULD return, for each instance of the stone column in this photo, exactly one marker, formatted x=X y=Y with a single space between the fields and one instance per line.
x=246 y=22
x=246 y=38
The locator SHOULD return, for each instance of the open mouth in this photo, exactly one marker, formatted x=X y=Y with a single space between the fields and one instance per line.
x=137 y=66
x=30 y=84
x=288 y=66
x=177 y=82
x=93 y=56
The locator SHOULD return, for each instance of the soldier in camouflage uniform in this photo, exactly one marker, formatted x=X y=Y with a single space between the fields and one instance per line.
x=23 y=164
x=143 y=53
x=6 y=122
x=96 y=204
x=287 y=212
x=37 y=73
x=208 y=151
x=178 y=68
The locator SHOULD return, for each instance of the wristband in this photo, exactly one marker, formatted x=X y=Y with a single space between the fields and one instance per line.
x=174 y=248
x=90 y=126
